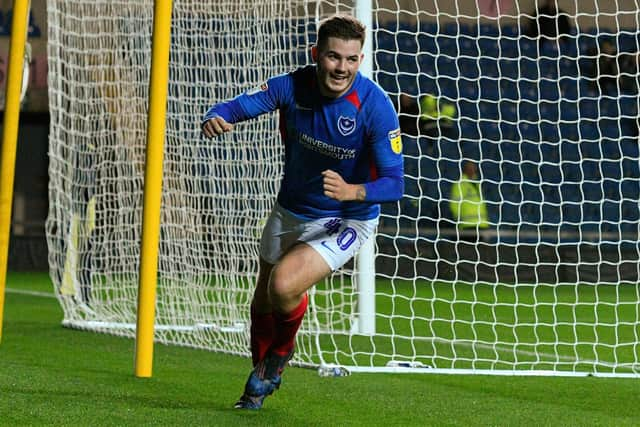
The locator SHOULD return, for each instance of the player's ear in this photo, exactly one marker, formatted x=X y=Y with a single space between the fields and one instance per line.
x=314 y=53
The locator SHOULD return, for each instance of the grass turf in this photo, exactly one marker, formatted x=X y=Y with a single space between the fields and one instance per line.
x=50 y=375
x=565 y=327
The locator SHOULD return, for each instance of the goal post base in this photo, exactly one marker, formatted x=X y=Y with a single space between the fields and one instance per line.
x=513 y=373
x=102 y=325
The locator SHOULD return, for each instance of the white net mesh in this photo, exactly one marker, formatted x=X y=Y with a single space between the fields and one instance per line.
x=553 y=288
x=215 y=193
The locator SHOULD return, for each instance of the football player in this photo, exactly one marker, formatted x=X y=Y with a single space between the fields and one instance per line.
x=343 y=157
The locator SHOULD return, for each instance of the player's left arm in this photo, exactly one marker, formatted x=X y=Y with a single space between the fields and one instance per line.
x=336 y=188
x=386 y=146
x=389 y=165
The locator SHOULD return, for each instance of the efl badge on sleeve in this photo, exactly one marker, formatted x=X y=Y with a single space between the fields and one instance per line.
x=396 y=141
x=261 y=88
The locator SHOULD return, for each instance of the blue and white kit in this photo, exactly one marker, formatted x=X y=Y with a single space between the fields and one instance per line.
x=356 y=135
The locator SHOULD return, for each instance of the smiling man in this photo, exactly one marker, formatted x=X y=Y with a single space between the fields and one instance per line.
x=343 y=157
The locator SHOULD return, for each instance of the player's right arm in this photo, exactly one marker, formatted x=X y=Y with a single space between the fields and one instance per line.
x=216 y=126
x=270 y=96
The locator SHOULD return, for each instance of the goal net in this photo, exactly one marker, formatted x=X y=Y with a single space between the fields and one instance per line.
x=550 y=285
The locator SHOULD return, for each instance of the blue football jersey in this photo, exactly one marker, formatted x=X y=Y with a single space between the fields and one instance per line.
x=356 y=135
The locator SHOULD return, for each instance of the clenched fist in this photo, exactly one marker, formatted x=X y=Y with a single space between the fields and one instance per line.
x=336 y=188
x=216 y=126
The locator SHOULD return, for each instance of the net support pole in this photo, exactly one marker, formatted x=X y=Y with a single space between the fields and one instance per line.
x=365 y=278
x=10 y=135
x=156 y=123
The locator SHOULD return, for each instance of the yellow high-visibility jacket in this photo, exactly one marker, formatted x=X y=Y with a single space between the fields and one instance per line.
x=431 y=109
x=467 y=206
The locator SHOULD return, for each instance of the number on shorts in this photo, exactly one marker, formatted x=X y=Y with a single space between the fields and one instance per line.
x=346 y=238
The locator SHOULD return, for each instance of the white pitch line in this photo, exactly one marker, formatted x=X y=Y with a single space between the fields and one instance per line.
x=32 y=293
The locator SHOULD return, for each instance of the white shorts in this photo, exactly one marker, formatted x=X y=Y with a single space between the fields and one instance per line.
x=335 y=239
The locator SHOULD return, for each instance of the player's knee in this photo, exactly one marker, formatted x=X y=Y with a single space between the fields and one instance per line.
x=282 y=290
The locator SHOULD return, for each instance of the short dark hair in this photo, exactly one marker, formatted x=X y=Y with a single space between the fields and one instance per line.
x=344 y=27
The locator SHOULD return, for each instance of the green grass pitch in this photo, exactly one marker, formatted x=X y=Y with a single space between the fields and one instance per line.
x=565 y=327
x=54 y=376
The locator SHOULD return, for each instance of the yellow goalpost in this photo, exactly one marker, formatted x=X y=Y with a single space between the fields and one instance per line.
x=153 y=187
x=10 y=134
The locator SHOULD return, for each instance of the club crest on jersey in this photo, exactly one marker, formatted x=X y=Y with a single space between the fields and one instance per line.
x=396 y=141
x=346 y=125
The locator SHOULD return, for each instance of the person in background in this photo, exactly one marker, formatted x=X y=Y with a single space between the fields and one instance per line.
x=549 y=24
x=426 y=116
x=467 y=204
